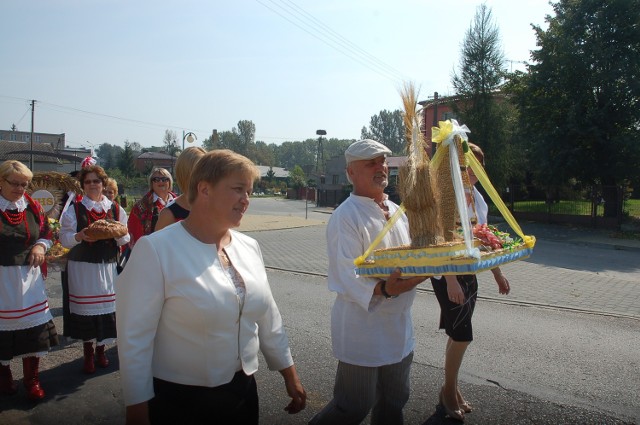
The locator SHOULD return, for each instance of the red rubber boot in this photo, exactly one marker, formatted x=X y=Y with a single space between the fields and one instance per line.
x=101 y=357
x=89 y=366
x=31 y=382
x=7 y=385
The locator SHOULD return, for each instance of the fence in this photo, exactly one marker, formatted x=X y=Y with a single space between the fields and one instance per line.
x=587 y=206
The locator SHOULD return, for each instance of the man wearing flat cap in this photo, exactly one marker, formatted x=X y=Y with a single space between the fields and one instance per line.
x=371 y=325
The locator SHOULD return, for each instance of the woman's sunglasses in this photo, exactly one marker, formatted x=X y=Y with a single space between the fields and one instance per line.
x=160 y=179
x=94 y=181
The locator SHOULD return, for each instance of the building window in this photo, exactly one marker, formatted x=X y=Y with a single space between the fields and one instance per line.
x=448 y=116
x=14 y=137
x=25 y=137
x=322 y=179
x=38 y=139
x=335 y=179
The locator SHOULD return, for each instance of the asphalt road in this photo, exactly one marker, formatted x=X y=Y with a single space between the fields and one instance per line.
x=527 y=365
x=530 y=363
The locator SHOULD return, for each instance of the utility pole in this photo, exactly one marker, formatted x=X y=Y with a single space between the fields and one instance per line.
x=435 y=120
x=320 y=154
x=33 y=107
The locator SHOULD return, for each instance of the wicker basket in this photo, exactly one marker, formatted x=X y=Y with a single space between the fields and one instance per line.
x=443 y=259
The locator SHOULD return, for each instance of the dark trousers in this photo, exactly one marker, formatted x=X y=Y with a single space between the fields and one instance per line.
x=233 y=403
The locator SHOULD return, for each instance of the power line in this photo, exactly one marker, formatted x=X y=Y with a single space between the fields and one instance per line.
x=364 y=59
x=352 y=46
x=71 y=110
x=61 y=108
x=23 y=115
x=21 y=101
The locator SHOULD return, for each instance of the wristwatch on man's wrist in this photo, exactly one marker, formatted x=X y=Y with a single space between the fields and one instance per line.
x=383 y=289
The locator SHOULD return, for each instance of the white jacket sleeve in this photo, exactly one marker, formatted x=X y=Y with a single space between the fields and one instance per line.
x=140 y=297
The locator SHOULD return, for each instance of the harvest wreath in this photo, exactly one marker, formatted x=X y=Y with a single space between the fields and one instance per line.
x=49 y=189
x=57 y=253
x=443 y=239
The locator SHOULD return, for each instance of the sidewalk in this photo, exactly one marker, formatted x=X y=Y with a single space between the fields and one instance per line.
x=580 y=235
x=569 y=234
x=554 y=276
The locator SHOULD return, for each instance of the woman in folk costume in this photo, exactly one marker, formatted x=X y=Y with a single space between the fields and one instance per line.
x=91 y=268
x=26 y=324
x=144 y=213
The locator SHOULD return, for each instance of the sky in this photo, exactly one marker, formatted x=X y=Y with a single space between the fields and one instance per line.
x=110 y=71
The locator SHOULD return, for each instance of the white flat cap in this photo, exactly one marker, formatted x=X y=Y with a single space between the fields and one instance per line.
x=365 y=149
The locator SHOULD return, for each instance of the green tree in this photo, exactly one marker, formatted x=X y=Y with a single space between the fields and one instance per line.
x=332 y=148
x=211 y=142
x=579 y=101
x=229 y=140
x=136 y=148
x=126 y=162
x=481 y=107
x=387 y=128
x=109 y=155
x=170 y=143
x=271 y=175
x=263 y=154
x=297 y=178
x=246 y=137
x=293 y=153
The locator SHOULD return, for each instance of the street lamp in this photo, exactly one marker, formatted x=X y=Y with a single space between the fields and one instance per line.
x=320 y=133
x=190 y=137
x=320 y=150
x=173 y=155
x=93 y=147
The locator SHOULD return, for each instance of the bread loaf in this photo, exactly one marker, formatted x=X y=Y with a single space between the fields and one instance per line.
x=106 y=229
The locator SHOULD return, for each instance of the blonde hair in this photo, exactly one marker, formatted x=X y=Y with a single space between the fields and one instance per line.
x=12 y=166
x=164 y=173
x=185 y=164
x=218 y=164
x=111 y=184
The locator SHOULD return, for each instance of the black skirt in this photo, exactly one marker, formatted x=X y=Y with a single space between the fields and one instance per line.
x=86 y=328
x=455 y=319
x=234 y=403
x=27 y=341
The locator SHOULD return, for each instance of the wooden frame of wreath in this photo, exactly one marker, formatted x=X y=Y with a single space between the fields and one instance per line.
x=49 y=189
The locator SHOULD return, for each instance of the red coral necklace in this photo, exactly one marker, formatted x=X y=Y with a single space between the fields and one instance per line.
x=95 y=216
x=15 y=218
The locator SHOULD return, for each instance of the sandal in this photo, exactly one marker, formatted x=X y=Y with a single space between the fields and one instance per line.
x=466 y=407
x=464 y=404
x=457 y=414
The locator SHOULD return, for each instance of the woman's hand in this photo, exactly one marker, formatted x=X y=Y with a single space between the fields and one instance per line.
x=82 y=236
x=501 y=280
x=36 y=255
x=137 y=414
x=294 y=389
x=454 y=290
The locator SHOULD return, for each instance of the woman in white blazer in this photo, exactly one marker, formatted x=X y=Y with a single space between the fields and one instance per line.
x=195 y=306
